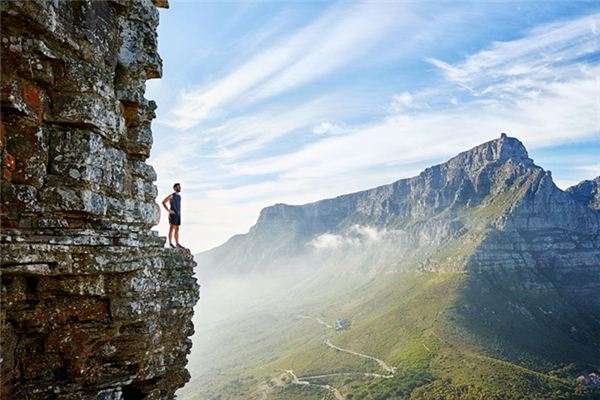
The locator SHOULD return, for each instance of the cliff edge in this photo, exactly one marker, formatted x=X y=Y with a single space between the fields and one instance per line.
x=92 y=305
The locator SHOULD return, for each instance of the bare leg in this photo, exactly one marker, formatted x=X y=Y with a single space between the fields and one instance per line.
x=171 y=233
x=176 y=233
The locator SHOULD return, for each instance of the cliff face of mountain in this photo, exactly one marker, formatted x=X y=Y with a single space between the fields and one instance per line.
x=92 y=305
x=587 y=192
x=442 y=218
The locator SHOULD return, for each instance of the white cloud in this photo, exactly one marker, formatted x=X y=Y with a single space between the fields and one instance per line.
x=339 y=36
x=368 y=233
x=327 y=241
x=327 y=128
x=554 y=99
x=402 y=101
x=252 y=132
x=354 y=237
x=549 y=52
x=594 y=168
x=408 y=139
x=354 y=33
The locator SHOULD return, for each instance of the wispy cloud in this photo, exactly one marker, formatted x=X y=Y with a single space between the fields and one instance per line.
x=542 y=87
x=353 y=237
x=250 y=132
x=549 y=52
x=567 y=111
x=594 y=168
x=341 y=35
x=543 y=109
x=328 y=128
x=354 y=33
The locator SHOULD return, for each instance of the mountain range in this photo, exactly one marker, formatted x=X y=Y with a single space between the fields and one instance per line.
x=478 y=278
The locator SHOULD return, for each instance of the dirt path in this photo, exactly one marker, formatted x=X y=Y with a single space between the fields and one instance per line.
x=367 y=374
x=305 y=380
x=336 y=393
x=381 y=363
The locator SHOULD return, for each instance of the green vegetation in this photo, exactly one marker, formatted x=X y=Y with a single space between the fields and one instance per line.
x=297 y=392
x=450 y=336
x=398 y=387
x=302 y=361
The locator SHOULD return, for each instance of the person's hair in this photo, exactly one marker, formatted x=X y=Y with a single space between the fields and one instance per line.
x=177 y=184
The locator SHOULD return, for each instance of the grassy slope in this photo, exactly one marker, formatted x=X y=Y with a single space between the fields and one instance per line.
x=416 y=322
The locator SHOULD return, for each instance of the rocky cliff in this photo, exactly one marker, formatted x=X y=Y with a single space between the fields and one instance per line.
x=473 y=212
x=92 y=305
x=587 y=192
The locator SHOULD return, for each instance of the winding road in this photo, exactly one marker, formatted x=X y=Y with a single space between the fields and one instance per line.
x=330 y=388
x=381 y=363
x=369 y=374
x=305 y=380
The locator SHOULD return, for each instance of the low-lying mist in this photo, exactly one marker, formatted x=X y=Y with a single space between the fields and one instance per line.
x=236 y=310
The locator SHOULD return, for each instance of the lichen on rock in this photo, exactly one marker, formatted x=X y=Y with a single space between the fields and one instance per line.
x=92 y=305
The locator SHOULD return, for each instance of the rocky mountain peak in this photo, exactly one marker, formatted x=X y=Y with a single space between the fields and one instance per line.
x=465 y=178
x=511 y=148
x=496 y=152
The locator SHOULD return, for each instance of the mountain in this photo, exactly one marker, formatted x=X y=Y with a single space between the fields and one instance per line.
x=479 y=278
x=490 y=188
x=587 y=192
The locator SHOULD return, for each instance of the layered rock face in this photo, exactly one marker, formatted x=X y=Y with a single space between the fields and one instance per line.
x=587 y=192
x=92 y=305
x=488 y=208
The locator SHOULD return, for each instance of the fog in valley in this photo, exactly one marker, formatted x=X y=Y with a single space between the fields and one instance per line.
x=238 y=312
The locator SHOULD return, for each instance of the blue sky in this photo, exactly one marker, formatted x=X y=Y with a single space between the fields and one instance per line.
x=267 y=102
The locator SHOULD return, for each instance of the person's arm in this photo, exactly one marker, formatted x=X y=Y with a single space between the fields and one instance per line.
x=164 y=202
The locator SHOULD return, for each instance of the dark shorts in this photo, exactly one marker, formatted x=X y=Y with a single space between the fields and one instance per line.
x=174 y=219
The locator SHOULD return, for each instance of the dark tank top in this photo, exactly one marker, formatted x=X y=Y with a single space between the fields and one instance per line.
x=176 y=203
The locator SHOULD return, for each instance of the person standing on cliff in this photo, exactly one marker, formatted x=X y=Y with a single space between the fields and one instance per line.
x=174 y=210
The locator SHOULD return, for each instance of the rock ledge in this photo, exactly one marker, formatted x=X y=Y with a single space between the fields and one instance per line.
x=92 y=305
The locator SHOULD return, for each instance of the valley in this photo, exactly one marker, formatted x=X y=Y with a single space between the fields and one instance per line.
x=476 y=279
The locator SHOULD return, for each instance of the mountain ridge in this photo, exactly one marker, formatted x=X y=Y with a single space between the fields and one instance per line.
x=499 y=150
x=587 y=192
x=496 y=182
